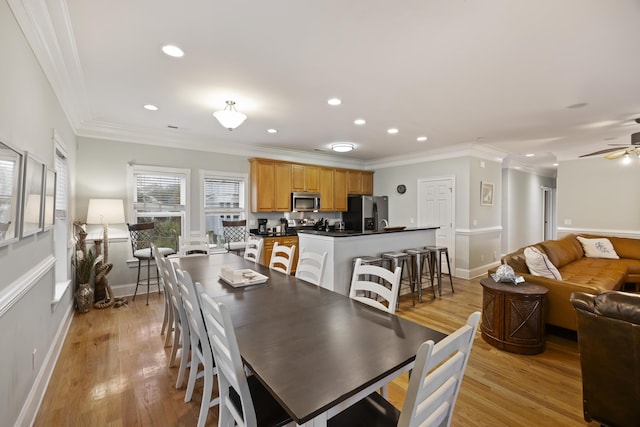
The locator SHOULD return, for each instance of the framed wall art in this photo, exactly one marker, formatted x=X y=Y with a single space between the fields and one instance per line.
x=49 y=199
x=11 y=164
x=32 y=196
x=486 y=193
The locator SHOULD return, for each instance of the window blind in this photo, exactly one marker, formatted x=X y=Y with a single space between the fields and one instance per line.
x=159 y=191
x=61 y=185
x=223 y=193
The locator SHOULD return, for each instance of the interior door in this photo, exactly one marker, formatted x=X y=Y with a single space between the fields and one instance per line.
x=436 y=209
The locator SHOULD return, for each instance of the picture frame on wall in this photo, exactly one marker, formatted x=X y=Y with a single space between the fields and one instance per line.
x=11 y=166
x=486 y=193
x=49 y=199
x=32 y=196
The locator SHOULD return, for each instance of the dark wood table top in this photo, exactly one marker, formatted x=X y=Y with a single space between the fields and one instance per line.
x=312 y=348
x=523 y=288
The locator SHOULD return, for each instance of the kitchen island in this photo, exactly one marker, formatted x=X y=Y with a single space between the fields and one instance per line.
x=343 y=246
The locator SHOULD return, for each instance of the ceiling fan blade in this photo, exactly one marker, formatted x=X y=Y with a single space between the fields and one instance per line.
x=595 y=153
x=615 y=155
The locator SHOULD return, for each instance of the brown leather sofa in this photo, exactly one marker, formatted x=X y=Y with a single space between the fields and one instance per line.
x=609 y=340
x=579 y=273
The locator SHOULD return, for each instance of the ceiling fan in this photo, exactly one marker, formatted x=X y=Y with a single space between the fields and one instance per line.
x=617 y=152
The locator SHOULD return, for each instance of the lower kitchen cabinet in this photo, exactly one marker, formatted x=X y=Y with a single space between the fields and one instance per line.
x=269 y=242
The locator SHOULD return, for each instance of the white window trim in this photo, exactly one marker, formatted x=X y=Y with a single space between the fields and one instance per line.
x=62 y=280
x=219 y=174
x=132 y=168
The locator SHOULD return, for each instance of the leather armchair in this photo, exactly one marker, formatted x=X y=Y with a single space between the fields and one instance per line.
x=609 y=340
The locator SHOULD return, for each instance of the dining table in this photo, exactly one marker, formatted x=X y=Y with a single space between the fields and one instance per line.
x=315 y=350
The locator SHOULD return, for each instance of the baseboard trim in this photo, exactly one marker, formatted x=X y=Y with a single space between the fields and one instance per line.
x=127 y=290
x=475 y=272
x=32 y=404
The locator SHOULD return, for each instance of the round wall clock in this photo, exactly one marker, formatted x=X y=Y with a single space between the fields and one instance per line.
x=401 y=188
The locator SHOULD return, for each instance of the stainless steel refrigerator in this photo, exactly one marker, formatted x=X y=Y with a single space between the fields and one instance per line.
x=366 y=213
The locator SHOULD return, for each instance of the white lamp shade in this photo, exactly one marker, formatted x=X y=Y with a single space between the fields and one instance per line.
x=105 y=211
x=230 y=119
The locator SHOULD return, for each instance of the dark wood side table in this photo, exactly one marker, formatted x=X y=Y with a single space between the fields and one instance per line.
x=513 y=316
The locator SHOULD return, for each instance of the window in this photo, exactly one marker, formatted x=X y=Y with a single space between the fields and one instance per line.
x=160 y=195
x=62 y=247
x=223 y=198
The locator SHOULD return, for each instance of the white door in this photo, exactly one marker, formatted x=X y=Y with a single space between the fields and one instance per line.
x=436 y=209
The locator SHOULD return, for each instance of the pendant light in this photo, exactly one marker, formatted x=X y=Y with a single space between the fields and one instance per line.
x=230 y=117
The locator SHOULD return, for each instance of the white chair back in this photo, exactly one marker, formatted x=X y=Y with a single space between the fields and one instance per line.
x=368 y=285
x=230 y=368
x=193 y=246
x=282 y=258
x=200 y=348
x=311 y=266
x=253 y=250
x=432 y=393
x=181 y=335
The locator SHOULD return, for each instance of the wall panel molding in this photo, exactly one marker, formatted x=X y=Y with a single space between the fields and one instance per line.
x=634 y=234
x=10 y=295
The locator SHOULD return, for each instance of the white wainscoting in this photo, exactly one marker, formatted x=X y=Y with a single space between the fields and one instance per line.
x=16 y=290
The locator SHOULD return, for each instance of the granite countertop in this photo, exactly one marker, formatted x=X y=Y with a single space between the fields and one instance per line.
x=351 y=233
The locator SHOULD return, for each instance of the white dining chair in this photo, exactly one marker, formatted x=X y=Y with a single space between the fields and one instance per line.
x=243 y=400
x=433 y=386
x=370 y=283
x=201 y=353
x=181 y=334
x=193 y=246
x=168 y=320
x=253 y=249
x=282 y=258
x=310 y=266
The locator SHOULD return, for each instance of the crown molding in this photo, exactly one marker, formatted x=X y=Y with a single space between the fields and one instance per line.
x=176 y=138
x=465 y=150
x=56 y=53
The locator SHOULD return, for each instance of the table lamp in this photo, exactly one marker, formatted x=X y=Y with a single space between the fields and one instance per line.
x=105 y=211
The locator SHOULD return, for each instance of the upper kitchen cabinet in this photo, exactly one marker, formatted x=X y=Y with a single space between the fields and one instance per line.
x=359 y=182
x=326 y=190
x=339 y=190
x=270 y=186
x=305 y=178
x=282 y=195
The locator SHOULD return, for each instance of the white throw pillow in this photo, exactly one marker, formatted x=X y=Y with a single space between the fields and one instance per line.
x=598 y=248
x=539 y=264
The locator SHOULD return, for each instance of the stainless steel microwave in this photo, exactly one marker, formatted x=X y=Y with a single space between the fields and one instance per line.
x=305 y=202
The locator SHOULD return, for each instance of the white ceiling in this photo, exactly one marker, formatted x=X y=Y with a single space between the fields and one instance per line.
x=498 y=74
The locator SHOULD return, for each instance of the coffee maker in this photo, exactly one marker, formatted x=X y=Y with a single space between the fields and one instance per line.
x=262 y=226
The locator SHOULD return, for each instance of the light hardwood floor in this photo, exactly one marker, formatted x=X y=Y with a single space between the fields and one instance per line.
x=112 y=371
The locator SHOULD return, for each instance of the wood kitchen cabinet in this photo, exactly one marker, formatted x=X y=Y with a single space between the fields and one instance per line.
x=282 y=193
x=262 y=185
x=359 y=182
x=270 y=186
x=305 y=178
x=269 y=242
x=339 y=190
x=367 y=183
x=326 y=190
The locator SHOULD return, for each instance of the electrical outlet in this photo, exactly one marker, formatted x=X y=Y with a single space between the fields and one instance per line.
x=568 y=221
x=495 y=256
x=411 y=220
x=33 y=359
x=481 y=257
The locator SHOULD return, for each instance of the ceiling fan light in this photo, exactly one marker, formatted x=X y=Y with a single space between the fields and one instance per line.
x=342 y=147
x=230 y=118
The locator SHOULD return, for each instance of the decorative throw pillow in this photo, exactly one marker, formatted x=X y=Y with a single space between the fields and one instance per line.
x=539 y=264
x=598 y=248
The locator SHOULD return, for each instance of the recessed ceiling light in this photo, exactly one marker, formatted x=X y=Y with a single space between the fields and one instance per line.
x=555 y=164
x=342 y=147
x=359 y=122
x=334 y=101
x=517 y=167
x=392 y=131
x=529 y=155
x=151 y=107
x=421 y=138
x=272 y=130
x=172 y=50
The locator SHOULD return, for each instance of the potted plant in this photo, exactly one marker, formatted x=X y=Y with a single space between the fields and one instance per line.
x=84 y=263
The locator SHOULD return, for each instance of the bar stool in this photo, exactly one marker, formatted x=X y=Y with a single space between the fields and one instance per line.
x=418 y=258
x=435 y=260
x=398 y=259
